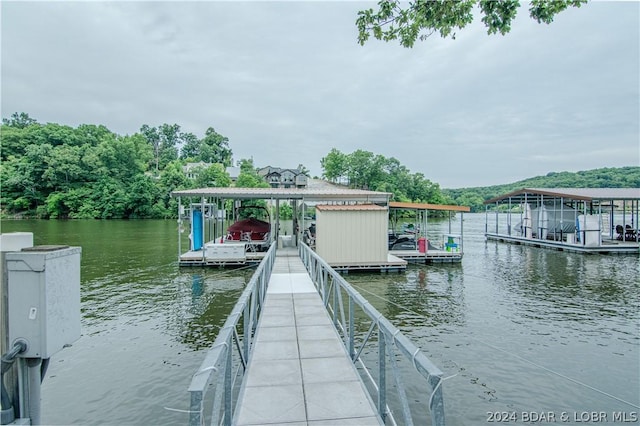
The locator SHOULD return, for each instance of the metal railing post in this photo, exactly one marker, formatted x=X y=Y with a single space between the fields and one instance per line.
x=336 y=290
x=436 y=401
x=382 y=378
x=228 y=415
x=246 y=326
x=351 y=329
x=195 y=409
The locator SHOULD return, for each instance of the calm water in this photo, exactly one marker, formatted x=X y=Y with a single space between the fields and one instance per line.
x=517 y=329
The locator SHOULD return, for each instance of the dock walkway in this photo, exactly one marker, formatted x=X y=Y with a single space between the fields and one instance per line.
x=299 y=372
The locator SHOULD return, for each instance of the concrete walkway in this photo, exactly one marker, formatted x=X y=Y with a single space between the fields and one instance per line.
x=299 y=372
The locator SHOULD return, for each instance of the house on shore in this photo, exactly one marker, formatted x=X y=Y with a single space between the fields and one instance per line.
x=283 y=178
x=191 y=170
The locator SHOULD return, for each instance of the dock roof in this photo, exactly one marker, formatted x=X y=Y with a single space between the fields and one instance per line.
x=352 y=207
x=583 y=194
x=307 y=194
x=427 y=206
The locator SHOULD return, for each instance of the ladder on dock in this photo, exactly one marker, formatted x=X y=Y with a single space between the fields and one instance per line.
x=296 y=355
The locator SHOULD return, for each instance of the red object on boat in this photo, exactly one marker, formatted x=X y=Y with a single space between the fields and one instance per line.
x=252 y=228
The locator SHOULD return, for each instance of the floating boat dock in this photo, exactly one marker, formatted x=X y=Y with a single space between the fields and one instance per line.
x=581 y=220
x=352 y=228
x=291 y=352
x=451 y=249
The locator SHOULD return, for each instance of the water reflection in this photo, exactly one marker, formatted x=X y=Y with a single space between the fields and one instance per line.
x=509 y=320
x=521 y=328
x=424 y=295
x=567 y=286
x=213 y=295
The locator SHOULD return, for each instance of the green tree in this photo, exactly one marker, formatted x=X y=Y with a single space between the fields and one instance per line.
x=302 y=169
x=92 y=135
x=123 y=157
x=18 y=189
x=621 y=177
x=247 y=166
x=65 y=168
x=19 y=120
x=172 y=178
x=110 y=199
x=153 y=138
x=213 y=176
x=170 y=137
x=164 y=141
x=215 y=148
x=334 y=165
x=285 y=211
x=191 y=148
x=419 y=19
x=76 y=203
x=142 y=195
x=398 y=181
x=249 y=177
x=365 y=169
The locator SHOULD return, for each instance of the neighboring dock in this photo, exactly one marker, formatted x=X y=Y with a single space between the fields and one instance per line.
x=451 y=249
x=299 y=370
x=581 y=220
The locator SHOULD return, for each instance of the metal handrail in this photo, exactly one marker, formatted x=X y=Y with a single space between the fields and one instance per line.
x=331 y=285
x=219 y=360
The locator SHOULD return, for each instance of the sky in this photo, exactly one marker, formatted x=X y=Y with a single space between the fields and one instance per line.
x=287 y=81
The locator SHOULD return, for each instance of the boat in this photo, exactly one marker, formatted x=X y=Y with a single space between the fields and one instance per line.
x=256 y=233
x=402 y=241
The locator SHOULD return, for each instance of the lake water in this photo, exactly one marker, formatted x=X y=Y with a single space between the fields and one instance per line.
x=516 y=329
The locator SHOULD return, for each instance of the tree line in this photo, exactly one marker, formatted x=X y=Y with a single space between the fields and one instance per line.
x=56 y=171
x=610 y=177
x=89 y=172
x=366 y=170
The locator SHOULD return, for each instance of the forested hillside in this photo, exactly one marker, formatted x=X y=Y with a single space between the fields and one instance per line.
x=621 y=177
x=57 y=171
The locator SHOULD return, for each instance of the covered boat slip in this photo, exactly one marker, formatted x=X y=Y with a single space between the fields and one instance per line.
x=205 y=217
x=350 y=228
x=585 y=220
x=447 y=247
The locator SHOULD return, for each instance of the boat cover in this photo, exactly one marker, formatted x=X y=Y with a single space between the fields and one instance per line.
x=258 y=228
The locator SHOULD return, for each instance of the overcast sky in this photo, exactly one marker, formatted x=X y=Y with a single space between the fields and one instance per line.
x=287 y=81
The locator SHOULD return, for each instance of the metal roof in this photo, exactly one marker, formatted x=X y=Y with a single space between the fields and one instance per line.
x=427 y=206
x=352 y=207
x=307 y=194
x=584 y=194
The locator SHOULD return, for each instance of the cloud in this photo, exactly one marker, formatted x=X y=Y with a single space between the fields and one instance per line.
x=287 y=81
